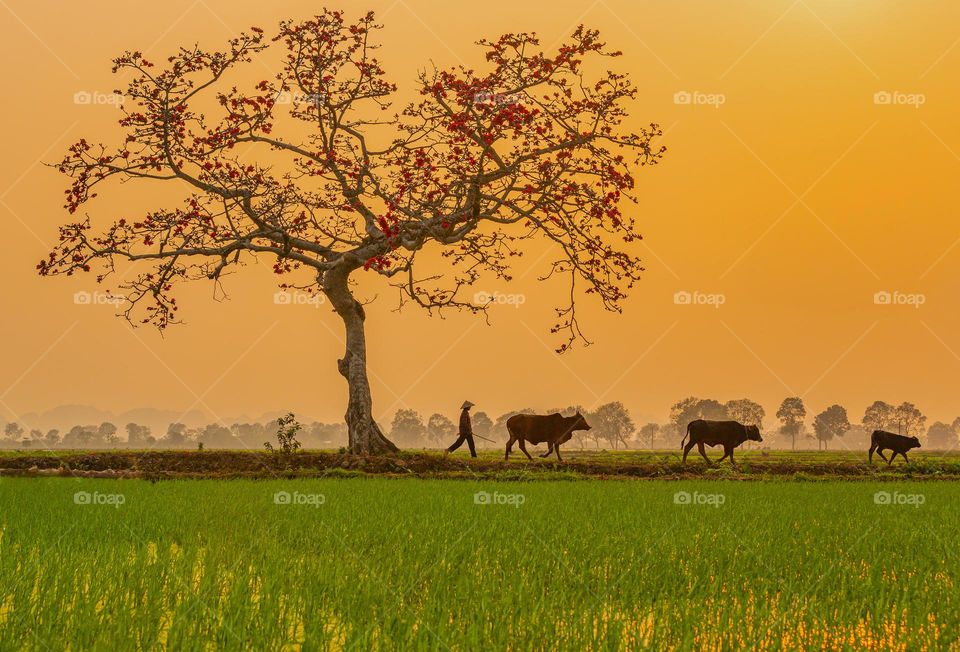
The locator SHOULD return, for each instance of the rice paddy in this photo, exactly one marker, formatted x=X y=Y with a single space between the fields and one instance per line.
x=374 y=563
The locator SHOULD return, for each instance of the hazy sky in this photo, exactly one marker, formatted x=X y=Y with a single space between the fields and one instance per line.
x=813 y=162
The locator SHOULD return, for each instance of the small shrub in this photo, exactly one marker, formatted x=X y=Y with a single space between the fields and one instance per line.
x=287 y=429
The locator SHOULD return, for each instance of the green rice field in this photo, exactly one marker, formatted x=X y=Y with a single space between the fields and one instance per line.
x=376 y=563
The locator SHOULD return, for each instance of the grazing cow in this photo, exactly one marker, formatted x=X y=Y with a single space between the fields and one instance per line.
x=728 y=434
x=881 y=440
x=555 y=429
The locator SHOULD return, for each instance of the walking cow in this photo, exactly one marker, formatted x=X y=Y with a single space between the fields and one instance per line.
x=881 y=440
x=728 y=434
x=555 y=429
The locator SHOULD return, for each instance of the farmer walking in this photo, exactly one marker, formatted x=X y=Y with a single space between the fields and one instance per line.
x=466 y=431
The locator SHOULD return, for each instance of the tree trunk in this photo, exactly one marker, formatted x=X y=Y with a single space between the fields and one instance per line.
x=364 y=434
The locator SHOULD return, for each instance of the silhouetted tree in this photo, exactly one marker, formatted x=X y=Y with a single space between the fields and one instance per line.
x=440 y=429
x=612 y=422
x=791 y=414
x=909 y=419
x=879 y=416
x=830 y=423
x=52 y=437
x=482 y=426
x=480 y=163
x=647 y=434
x=408 y=427
x=693 y=408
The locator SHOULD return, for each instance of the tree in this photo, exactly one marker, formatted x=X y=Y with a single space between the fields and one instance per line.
x=52 y=437
x=612 y=422
x=745 y=411
x=482 y=163
x=878 y=416
x=830 y=423
x=136 y=434
x=13 y=431
x=693 y=408
x=108 y=433
x=942 y=436
x=440 y=429
x=408 y=427
x=909 y=419
x=791 y=414
x=482 y=424
x=176 y=435
x=648 y=434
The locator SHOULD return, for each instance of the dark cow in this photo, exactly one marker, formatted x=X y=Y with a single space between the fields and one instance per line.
x=555 y=429
x=882 y=440
x=728 y=434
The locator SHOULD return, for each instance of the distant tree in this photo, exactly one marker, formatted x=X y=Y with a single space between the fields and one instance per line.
x=176 y=435
x=909 y=419
x=613 y=423
x=878 y=416
x=942 y=436
x=693 y=408
x=136 y=434
x=440 y=429
x=830 y=423
x=107 y=431
x=482 y=424
x=215 y=435
x=52 y=438
x=248 y=434
x=36 y=435
x=407 y=427
x=791 y=414
x=648 y=434
x=745 y=411
x=80 y=436
x=13 y=431
x=956 y=425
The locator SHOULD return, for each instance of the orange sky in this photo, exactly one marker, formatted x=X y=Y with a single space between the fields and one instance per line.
x=797 y=199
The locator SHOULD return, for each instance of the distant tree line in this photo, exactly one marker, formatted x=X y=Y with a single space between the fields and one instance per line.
x=612 y=428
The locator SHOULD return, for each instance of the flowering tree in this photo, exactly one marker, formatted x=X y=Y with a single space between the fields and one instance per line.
x=482 y=162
